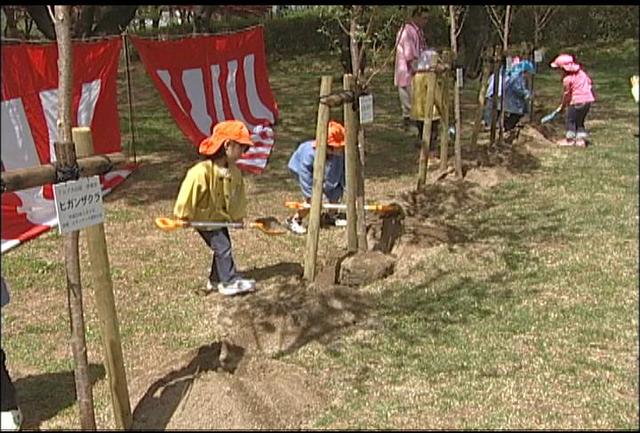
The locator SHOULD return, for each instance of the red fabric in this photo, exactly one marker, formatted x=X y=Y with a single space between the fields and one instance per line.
x=204 y=80
x=29 y=116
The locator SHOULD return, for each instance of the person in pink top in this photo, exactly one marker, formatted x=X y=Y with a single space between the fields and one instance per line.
x=409 y=44
x=577 y=97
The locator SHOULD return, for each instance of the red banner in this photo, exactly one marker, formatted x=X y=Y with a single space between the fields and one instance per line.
x=29 y=117
x=204 y=80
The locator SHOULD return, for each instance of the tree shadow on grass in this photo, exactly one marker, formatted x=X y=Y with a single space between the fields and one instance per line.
x=156 y=408
x=43 y=396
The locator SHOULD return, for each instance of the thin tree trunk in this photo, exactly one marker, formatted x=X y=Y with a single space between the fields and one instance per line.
x=505 y=48
x=72 y=261
x=456 y=94
x=360 y=198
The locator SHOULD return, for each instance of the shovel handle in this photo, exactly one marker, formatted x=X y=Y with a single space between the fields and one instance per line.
x=370 y=207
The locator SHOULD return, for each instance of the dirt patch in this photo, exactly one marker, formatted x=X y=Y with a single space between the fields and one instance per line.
x=242 y=393
x=536 y=137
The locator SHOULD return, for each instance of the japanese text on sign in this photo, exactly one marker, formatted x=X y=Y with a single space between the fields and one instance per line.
x=366 y=108
x=78 y=204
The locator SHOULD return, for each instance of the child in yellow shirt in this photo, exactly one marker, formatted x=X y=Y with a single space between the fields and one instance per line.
x=213 y=191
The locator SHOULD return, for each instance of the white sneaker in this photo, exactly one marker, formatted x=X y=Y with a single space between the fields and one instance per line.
x=11 y=420
x=294 y=225
x=241 y=285
x=210 y=286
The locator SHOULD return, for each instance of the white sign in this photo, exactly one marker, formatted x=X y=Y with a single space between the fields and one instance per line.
x=537 y=56
x=509 y=62
x=366 y=108
x=459 y=77
x=78 y=204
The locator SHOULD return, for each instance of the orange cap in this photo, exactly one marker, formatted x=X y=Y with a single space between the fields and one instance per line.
x=335 y=136
x=228 y=130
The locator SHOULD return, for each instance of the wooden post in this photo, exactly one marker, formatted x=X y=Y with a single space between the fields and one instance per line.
x=65 y=155
x=105 y=303
x=29 y=177
x=351 y=165
x=497 y=62
x=313 y=231
x=484 y=80
x=426 y=131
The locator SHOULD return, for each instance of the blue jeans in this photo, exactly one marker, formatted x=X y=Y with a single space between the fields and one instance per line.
x=223 y=269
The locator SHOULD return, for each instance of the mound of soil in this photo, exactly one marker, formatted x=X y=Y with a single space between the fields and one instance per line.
x=242 y=392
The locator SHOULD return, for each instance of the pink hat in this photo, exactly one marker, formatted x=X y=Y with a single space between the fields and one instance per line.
x=566 y=62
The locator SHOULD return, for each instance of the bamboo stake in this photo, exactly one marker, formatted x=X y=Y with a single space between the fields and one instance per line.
x=426 y=131
x=105 y=303
x=65 y=155
x=313 y=231
x=351 y=165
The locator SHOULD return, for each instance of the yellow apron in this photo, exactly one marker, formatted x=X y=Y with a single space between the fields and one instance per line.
x=419 y=96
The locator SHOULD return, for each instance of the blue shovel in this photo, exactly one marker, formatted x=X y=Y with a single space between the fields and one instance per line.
x=549 y=117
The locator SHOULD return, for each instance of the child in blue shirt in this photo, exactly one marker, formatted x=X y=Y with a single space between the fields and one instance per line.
x=301 y=166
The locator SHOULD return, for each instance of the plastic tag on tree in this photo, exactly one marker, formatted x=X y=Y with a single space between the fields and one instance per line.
x=366 y=109
x=509 y=62
x=459 y=77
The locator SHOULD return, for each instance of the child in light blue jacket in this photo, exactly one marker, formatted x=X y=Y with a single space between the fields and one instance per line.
x=301 y=166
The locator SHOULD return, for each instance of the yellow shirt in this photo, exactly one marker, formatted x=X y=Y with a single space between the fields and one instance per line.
x=211 y=193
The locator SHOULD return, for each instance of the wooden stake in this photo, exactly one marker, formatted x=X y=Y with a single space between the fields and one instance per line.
x=313 y=231
x=65 y=155
x=105 y=303
x=426 y=131
x=351 y=165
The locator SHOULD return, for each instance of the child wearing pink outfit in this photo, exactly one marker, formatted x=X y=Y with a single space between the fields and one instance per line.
x=577 y=97
x=409 y=44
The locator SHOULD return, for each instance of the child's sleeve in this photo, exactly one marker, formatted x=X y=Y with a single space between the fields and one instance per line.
x=189 y=194
x=567 y=85
x=305 y=174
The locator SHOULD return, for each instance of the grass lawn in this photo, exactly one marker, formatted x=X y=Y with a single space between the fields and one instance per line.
x=531 y=322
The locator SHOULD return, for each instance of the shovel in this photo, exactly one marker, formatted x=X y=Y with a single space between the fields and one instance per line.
x=382 y=208
x=549 y=117
x=268 y=225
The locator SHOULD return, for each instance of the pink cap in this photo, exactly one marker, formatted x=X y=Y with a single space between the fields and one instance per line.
x=566 y=62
